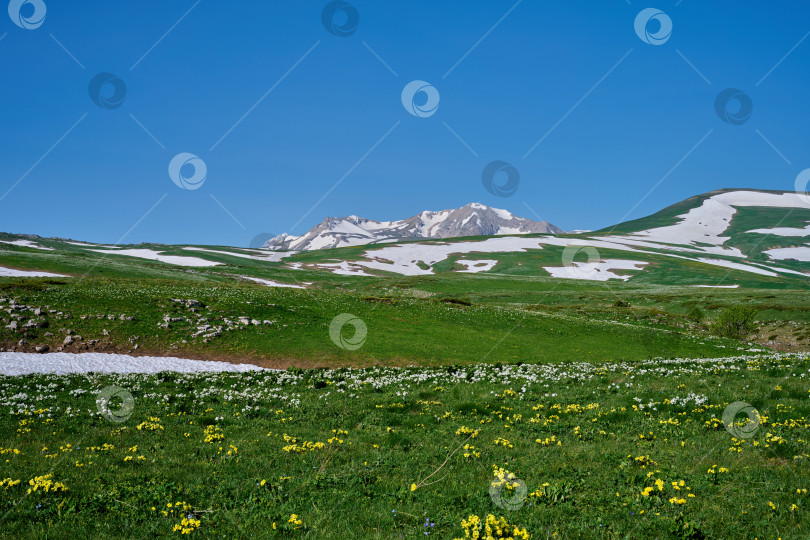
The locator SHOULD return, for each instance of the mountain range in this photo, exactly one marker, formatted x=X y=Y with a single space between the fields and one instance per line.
x=472 y=219
x=735 y=232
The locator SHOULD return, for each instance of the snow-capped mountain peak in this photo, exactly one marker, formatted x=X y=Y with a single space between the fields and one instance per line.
x=472 y=219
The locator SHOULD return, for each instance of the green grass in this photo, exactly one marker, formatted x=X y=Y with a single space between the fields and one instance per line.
x=468 y=337
x=430 y=320
x=619 y=428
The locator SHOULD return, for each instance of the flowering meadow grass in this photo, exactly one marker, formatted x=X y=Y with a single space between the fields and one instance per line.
x=577 y=450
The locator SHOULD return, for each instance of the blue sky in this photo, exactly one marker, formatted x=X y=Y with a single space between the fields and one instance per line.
x=617 y=117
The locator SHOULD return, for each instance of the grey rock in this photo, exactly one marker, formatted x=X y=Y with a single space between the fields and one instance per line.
x=471 y=220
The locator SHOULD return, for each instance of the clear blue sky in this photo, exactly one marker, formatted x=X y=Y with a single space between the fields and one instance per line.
x=524 y=81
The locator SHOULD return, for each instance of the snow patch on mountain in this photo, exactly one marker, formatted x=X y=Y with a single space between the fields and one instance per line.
x=784 y=231
x=271 y=283
x=61 y=363
x=801 y=253
x=706 y=223
x=737 y=266
x=158 y=256
x=13 y=272
x=257 y=254
x=595 y=271
x=26 y=243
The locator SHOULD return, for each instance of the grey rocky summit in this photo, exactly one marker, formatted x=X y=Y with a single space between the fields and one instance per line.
x=473 y=219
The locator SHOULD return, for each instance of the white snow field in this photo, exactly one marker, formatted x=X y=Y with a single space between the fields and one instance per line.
x=26 y=243
x=737 y=266
x=595 y=271
x=15 y=363
x=801 y=253
x=259 y=254
x=707 y=222
x=343 y=268
x=158 y=256
x=784 y=231
x=271 y=283
x=405 y=258
x=12 y=272
x=85 y=244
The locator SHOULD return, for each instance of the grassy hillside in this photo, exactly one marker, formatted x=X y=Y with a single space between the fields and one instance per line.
x=204 y=304
x=445 y=319
x=769 y=217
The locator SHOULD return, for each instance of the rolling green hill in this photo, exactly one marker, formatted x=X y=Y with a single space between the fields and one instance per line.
x=627 y=296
